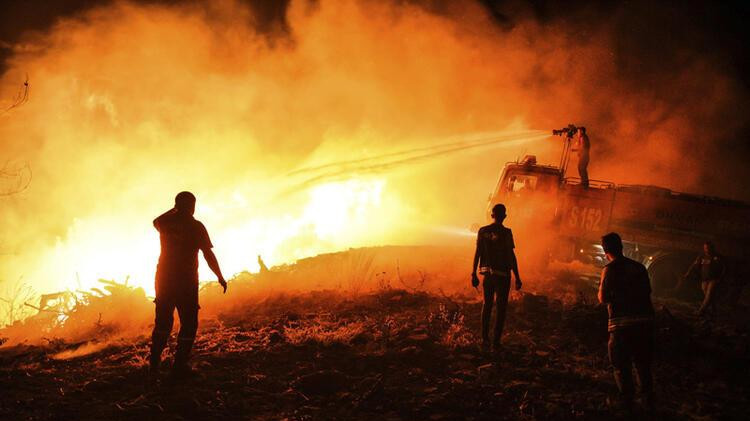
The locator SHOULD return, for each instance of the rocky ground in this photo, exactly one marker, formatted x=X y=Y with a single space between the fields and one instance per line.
x=391 y=354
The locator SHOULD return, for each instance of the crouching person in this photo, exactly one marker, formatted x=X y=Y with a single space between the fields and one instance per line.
x=626 y=289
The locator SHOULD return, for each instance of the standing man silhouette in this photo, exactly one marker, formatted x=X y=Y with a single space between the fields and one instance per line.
x=181 y=237
x=712 y=269
x=496 y=259
x=626 y=289
x=583 y=147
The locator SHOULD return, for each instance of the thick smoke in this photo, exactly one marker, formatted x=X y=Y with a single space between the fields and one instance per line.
x=131 y=103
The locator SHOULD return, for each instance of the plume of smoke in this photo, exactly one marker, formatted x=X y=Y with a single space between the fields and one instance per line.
x=134 y=103
x=15 y=178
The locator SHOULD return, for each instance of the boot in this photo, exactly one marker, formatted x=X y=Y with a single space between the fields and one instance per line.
x=497 y=339
x=158 y=343
x=181 y=368
x=624 y=382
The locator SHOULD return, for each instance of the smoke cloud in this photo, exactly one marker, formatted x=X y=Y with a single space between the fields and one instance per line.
x=131 y=103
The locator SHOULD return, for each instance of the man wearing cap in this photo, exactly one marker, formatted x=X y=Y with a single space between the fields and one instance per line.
x=496 y=259
x=181 y=237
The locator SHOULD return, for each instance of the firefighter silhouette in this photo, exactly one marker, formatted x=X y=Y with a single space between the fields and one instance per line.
x=496 y=260
x=181 y=236
x=583 y=146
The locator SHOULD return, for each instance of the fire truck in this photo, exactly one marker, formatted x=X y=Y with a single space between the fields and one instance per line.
x=661 y=228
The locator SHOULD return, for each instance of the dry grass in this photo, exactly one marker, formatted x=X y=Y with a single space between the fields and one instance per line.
x=324 y=333
x=13 y=301
x=334 y=355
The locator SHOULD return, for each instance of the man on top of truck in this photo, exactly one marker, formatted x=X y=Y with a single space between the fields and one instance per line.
x=583 y=145
x=580 y=144
x=496 y=259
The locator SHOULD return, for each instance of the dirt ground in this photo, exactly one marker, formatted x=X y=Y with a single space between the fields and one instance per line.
x=389 y=354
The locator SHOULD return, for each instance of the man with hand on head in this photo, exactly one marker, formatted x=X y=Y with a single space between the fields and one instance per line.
x=181 y=237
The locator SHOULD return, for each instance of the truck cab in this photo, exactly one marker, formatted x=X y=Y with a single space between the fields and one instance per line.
x=522 y=181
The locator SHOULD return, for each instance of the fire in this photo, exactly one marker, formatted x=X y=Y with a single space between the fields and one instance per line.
x=336 y=207
x=129 y=104
x=335 y=216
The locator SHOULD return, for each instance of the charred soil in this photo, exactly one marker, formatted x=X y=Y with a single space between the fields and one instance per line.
x=393 y=354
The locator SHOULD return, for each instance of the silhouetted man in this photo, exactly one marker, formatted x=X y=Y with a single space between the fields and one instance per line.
x=711 y=269
x=181 y=237
x=496 y=259
x=626 y=289
x=583 y=147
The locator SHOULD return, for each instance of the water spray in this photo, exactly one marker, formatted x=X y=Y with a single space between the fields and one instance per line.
x=380 y=163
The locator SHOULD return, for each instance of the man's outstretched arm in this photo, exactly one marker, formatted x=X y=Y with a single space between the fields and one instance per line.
x=693 y=267
x=474 y=278
x=514 y=268
x=213 y=264
x=603 y=293
x=691 y=270
x=476 y=261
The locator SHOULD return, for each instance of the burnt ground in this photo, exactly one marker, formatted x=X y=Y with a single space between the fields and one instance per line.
x=389 y=355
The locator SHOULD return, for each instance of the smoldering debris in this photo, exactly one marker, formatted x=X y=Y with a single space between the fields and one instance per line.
x=113 y=311
x=116 y=310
